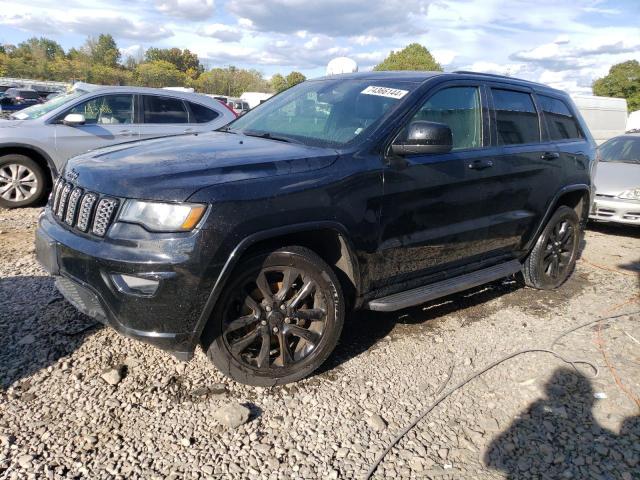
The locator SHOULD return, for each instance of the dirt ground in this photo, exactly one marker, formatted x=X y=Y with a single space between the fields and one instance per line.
x=530 y=417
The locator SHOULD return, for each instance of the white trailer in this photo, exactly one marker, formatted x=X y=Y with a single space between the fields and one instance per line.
x=606 y=117
x=255 y=98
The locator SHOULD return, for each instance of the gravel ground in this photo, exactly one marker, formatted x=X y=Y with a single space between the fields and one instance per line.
x=79 y=401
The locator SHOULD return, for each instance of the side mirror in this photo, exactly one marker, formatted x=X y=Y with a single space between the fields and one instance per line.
x=74 y=119
x=423 y=138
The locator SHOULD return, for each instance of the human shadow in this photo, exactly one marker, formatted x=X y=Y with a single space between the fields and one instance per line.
x=37 y=328
x=558 y=437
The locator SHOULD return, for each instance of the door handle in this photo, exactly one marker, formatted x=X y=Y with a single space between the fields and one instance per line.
x=550 y=156
x=481 y=164
x=125 y=133
x=189 y=130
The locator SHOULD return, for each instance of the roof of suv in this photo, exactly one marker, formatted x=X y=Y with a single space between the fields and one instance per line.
x=156 y=91
x=421 y=76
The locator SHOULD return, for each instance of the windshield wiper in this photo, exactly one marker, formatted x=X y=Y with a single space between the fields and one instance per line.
x=226 y=129
x=269 y=136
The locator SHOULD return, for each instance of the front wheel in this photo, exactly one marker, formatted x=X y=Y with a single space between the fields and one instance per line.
x=278 y=320
x=22 y=181
x=554 y=255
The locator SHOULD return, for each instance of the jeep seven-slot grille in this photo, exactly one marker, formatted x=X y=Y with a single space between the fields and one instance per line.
x=82 y=210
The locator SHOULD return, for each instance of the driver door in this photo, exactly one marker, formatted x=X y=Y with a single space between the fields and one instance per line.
x=438 y=209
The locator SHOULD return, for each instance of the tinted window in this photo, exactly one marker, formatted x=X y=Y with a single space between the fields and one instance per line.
x=561 y=123
x=201 y=114
x=516 y=117
x=106 y=110
x=459 y=108
x=164 y=110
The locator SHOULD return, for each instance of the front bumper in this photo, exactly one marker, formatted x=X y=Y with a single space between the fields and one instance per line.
x=84 y=268
x=611 y=209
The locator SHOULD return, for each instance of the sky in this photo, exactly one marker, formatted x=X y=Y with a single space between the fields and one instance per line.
x=563 y=43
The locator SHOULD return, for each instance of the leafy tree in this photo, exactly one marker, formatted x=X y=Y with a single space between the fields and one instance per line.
x=103 y=50
x=184 y=60
x=623 y=81
x=231 y=81
x=159 y=73
x=412 y=57
x=279 y=83
x=295 y=78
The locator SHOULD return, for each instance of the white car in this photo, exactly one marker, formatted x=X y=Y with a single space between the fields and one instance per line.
x=37 y=141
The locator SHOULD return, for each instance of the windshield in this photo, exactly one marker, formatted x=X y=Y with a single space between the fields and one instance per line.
x=621 y=149
x=323 y=113
x=39 y=110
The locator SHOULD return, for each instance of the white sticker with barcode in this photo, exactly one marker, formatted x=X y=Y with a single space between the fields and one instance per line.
x=385 y=92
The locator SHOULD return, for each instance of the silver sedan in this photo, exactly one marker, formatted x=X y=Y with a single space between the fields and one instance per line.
x=618 y=181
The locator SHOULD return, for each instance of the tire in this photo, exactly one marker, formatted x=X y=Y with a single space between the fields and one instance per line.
x=264 y=334
x=554 y=255
x=23 y=183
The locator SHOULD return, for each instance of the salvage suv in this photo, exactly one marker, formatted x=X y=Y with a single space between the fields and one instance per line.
x=373 y=190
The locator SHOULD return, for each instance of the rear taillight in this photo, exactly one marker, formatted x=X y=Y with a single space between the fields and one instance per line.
x=229 y=108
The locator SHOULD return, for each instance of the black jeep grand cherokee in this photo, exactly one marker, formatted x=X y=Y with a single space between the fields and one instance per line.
x=374 y=190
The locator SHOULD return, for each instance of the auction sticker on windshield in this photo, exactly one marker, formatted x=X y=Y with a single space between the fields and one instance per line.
x=385 y=92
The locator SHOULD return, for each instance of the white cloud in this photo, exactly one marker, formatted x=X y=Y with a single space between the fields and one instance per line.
x=82 y=23
x=189 y=9
x=222 y=32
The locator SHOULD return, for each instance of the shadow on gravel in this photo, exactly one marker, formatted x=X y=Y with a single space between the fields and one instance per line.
x=618 y=230
x=558 y=437
x=37 y=328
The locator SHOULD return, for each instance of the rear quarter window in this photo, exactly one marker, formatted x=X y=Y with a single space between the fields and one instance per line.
x=202 y=114
x=561 y=123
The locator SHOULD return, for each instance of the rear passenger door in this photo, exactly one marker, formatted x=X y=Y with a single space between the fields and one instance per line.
x=163 y=116
x=529 y=160
x=564 y=131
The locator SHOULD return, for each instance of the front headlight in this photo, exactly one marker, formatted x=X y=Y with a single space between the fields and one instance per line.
x=162 y=217
x=633 y=194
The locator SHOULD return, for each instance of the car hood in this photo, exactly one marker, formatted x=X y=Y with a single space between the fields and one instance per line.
x=613 y=178
x=173 y=168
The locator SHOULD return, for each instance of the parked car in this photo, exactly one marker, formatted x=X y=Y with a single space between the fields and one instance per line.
x=239 y=107
x=617 y=181
x=41 y=138
x=15 y=99
x=415 y=185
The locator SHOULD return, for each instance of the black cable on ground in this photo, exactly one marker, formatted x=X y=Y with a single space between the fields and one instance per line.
x=439 y=400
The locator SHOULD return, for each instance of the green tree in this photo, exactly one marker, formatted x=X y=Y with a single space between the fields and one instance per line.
x=295 y=78
x=623 y=81
x=103 y=50
x=184 y=60
x=279 y=83
x=159 y=74
x=231 y=81
x=412 y=57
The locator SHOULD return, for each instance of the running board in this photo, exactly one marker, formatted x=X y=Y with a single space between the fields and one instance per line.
x=419 y=295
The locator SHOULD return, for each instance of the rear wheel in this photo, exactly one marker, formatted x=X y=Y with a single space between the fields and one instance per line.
x=22 y=181
x=278 y=320
x=553 y=258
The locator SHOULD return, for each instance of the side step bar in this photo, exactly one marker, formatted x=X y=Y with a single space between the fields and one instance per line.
x=419 y=295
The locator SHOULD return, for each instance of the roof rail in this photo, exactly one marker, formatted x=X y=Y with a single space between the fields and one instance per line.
x=495 y=75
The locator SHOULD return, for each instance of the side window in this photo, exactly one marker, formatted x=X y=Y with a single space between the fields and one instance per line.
x=106 y=110
x=561 y=123
x=164 y=110
x=516 y=117
x=459 y=108
x=201 y=114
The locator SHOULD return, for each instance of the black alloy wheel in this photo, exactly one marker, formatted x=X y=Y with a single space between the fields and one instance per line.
x=554 y=255
x=279 y=319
